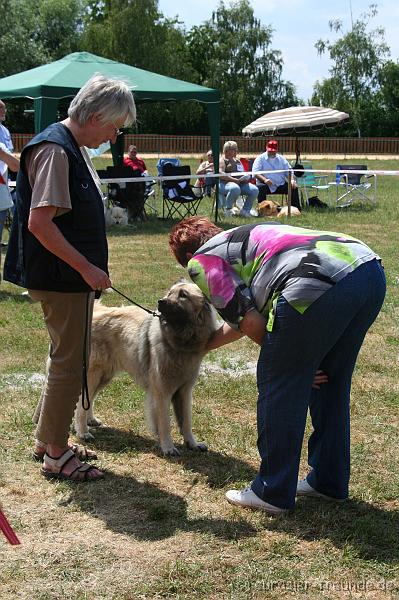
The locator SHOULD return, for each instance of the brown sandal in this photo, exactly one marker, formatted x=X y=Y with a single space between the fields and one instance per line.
x=61 y=462
x=81 y=452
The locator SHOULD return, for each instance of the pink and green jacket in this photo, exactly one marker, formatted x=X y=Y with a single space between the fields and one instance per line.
x=252 y=265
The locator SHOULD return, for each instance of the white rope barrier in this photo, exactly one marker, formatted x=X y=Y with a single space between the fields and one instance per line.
x=161 y=178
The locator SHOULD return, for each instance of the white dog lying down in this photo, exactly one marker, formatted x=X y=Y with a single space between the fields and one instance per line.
x=116 y=215
x=161 y=354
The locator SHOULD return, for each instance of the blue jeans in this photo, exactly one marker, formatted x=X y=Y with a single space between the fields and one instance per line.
x=232 y=191
x=327 y=336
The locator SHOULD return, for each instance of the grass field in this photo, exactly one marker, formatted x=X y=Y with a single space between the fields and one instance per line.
x=161 y=528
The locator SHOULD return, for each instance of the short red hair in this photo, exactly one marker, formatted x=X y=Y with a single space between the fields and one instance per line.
x=189 y=235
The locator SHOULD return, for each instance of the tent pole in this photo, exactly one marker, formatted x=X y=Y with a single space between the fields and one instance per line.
x=214 y=127
x=46 y=110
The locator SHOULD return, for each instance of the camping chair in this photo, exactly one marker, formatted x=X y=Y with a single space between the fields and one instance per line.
x=354 y=186
x=128 y=194
x=311 y=185
x=160 y=165
x=180 y=199
x=163 y=161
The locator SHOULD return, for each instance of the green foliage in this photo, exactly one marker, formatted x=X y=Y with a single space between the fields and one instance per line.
x=358 y=58
x=232 y=52
x=33 y=33
x=136 y=33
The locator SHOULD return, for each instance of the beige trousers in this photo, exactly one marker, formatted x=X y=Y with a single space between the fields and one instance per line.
x=68 y=319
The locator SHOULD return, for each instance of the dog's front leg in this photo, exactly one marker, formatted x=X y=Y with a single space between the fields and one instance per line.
x=182 y=406
x=80 y=423
x=160 y=409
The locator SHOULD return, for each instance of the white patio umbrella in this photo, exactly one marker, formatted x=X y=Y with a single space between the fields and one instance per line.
x=296 y=119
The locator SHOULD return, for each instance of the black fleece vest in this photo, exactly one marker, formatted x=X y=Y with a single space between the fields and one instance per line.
x=28 y=263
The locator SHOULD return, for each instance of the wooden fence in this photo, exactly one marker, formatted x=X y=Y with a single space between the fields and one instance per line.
x=199 y=144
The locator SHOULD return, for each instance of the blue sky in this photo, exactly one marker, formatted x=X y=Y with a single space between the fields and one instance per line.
x=297 y=25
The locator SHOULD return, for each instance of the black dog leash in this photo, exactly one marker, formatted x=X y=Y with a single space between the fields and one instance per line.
x=151 y=312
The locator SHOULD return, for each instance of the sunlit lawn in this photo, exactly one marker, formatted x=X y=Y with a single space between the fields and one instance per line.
x=160 y=528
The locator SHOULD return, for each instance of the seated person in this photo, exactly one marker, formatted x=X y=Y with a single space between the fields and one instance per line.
x=207 y=182
x=134 y=161
x=234 y=186
x=274 y=183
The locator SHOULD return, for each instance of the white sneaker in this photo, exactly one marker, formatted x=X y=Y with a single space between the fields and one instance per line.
x=304 y=489
x=254 y=212
x=248 y=499
x=245 y=213
x=227 y=212
x=235 y=211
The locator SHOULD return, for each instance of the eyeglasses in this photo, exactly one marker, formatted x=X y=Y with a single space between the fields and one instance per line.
x=117 y=131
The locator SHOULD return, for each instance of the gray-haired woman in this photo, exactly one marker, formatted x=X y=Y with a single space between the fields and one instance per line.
x=58 y=250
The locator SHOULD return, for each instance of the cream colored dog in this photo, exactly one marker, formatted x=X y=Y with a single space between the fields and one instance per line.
x=161 y=353
x=116 y=215
x=283 y=212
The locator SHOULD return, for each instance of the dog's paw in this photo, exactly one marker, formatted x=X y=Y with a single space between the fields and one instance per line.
x=198 y=446
x=85 y=437
x=94 y=422
x=172 y=451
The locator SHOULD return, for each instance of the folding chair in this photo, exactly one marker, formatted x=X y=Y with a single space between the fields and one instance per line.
x=129 y=195
x=311 y=185
x=180 y=199
x=163 y=161
x=351 y=187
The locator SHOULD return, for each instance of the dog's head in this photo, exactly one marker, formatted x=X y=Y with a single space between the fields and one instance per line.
x=268 y=208
x=116 y=215
x=187 y=311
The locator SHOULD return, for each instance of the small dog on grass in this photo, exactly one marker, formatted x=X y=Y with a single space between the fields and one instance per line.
x=116 y=216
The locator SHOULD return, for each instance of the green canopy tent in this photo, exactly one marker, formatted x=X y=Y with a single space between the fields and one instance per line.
x=47 y=84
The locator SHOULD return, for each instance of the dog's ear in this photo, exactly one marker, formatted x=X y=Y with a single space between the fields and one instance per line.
x=204 y=312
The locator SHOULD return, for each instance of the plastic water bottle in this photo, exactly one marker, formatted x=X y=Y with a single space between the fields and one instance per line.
x=338 y=175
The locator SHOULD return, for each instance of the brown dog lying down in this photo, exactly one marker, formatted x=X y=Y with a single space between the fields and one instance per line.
x=162 y=354
x=269 y=208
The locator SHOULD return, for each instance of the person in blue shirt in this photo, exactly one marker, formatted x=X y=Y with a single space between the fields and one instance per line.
x=274 y=183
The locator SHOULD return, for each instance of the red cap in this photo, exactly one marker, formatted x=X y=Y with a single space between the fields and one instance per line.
x=272 y=146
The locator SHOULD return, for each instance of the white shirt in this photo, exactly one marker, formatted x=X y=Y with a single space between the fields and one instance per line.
x=264 y=163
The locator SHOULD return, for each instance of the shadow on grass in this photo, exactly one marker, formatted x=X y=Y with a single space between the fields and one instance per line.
x=146 y=512
x=218 y=469
x=364 y=530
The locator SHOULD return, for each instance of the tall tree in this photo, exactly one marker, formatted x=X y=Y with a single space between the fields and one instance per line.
x=358 y=57
x=232 y=52
x=32 y=34
x=136 y=33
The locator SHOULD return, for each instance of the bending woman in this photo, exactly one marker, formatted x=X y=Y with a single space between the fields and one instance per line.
x=307 y=298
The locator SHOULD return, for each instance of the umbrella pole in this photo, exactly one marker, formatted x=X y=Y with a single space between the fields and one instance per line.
x=289 y=194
